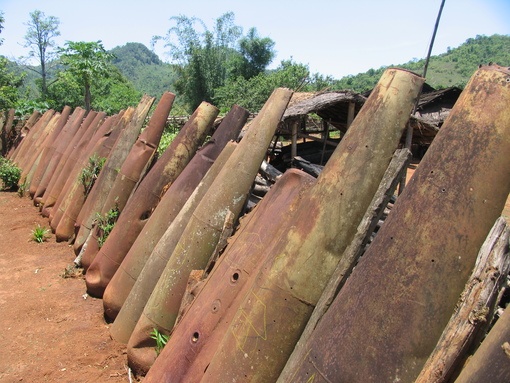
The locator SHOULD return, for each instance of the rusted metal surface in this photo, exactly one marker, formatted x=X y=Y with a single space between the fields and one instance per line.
x=32 y=137
x=73 y=200
x=48 y=151
x=183 y=360
x=76 y=158
x=125 y=321
x=146 y=197
x=389 y=315
x=64 y=167
x=37 y=146
x=139 y=157
x=34 y=117
x=166 y=211
x=491 y=362
x=69 y=169
x=132 y=122
x=30 y=166
x=64 y=138
x=200 y=237
x=274 y=311
x=133 y=169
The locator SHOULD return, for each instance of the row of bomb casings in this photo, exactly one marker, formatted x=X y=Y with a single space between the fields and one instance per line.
x=248 y=316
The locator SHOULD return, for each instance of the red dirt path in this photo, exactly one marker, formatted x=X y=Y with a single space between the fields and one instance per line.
x=50 y=332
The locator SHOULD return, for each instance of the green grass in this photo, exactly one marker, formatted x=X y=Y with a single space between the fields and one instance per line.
x=40 y=234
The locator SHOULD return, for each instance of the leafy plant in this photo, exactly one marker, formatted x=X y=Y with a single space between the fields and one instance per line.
x=22 y=188
x=40 y=234
x=89 y=173
x=9 y=174
x=166 y=139
x=105 y=224
x=161 y=340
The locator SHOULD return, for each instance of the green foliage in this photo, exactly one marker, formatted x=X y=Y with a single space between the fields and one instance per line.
x=105 y=224
x=89 y=173
x=9 y=174
x=161 y=340
x=166 y=139
x=453 y=68
x=88 y=62
x=253 y=93
x=9 y=81
x=26 y=107
x=40 y=234
x=205 y=59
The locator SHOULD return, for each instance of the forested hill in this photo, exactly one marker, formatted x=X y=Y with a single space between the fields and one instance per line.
x=144 y=68
x=453 y=68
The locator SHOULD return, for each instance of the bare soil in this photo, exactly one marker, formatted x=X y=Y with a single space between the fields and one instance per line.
x=51 y=330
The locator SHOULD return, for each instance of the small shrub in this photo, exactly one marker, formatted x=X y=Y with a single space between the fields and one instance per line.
x=89 y=173
x=9 y=174
x=40 y=234
x=161 y=340
x=105 y=224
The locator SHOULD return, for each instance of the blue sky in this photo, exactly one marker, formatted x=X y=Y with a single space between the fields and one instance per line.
x=333 y=37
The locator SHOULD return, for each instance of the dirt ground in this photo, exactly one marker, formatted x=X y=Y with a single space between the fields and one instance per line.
x=51 y=330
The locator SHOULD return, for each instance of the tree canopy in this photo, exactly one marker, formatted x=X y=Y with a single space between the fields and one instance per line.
x=205 y=59
x=88 y=61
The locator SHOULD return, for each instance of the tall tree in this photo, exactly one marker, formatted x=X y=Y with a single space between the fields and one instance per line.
x=205 y=59
x=88 y=61
x=40 y=39
x=256 y=54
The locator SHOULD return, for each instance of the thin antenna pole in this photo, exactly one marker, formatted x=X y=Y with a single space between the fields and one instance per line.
x=409 y=134
x=433 y=38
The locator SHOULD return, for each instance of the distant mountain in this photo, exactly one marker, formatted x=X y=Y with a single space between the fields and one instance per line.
x=453 y=68
x=144 y=69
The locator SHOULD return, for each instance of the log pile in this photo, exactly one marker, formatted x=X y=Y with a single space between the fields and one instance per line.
x=258 y=274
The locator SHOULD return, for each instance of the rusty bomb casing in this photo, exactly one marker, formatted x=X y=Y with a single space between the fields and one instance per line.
x=32 y=164
x=198 y=331
x=146 y=197
x=91 y=125
x=388 y=317
x=77 y=191
x=47 y=152
x=126 y=320
x=167 y=209
x=63 y=167
x=132 y=122
x=136 y=163
x=274 y=311
x=64 y=139
x=32 y=137
x=227 y=194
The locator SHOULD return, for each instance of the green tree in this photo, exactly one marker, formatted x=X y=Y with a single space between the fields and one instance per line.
x=9 y=82
x=40 y=39
x=256 y=54
x=254 y=92
x=88 y=62
x=204 y=59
